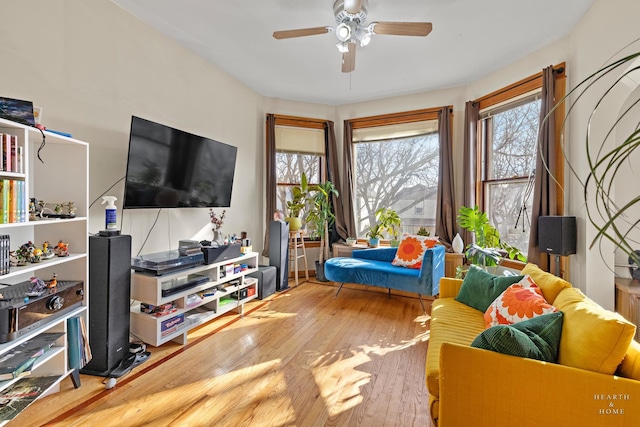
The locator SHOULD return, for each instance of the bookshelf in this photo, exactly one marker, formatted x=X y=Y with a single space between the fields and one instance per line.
x=193 y=306
x=62 y=176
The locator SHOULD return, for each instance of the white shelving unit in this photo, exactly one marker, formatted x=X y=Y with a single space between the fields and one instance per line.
x=63 y=177
x=194 y=306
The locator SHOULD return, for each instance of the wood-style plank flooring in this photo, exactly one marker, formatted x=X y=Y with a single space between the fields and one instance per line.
x=301 y=358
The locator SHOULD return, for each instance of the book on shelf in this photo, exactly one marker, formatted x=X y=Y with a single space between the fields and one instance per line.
x=23 y=393
x=79 y=350
x=12 y=201
x=19 y=360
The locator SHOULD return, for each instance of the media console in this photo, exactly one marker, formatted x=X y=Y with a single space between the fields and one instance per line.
x=192 y=299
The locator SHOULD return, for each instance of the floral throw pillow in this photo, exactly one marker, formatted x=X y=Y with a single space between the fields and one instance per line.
x=520 y=301
x=411 y=250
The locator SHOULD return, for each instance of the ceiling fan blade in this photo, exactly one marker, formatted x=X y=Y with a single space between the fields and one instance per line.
x=301 y=32
x=402 y=28
x=349 y=59
x=352 y=6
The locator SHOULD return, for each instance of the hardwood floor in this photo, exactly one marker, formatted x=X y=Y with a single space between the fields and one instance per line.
x=302 y=358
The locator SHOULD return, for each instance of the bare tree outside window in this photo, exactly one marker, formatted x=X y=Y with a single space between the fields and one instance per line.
x=510 y=160
x=289 y=168
x=400 y=174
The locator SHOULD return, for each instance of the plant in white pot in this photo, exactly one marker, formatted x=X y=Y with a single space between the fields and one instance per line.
x=390 y=222
x=320 y=218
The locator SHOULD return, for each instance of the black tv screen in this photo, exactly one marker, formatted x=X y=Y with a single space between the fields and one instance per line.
x=170 y=168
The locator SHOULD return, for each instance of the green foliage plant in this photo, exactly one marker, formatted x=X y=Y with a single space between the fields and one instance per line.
x=375 y=231
x=610 y=145
x=320 y=216
x=486 y=250
x=389 y=221
x=296 y=205
x=422 y=231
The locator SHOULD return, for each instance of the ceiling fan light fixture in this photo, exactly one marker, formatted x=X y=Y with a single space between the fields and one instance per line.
x=343 y=47
x=364 y=37
x=343 y=32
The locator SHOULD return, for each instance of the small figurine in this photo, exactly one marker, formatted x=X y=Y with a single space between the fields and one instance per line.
x=62 y=249
x=47 y=251
x=37 y=287
x=32 y=210
x=71 y=208
x=36 y=255
x=53 y=282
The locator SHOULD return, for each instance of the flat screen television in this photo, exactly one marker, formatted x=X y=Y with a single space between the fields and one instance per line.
x=170 y=168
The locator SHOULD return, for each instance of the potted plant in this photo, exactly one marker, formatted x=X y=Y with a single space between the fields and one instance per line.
x=610 y=95
x=422 y=231
x=487 y=250
x=390 y=221
x=374 y=234
x=296 y=205
x=320 y=218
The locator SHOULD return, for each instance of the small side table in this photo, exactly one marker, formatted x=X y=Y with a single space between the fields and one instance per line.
x=628 y=301
x=296 y=241
x=451 y=263
x=344 y=250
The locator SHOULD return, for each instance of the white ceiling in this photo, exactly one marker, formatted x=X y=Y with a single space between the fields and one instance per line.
x=470 y=39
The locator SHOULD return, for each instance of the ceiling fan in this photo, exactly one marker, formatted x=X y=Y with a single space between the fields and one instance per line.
x=352 y=30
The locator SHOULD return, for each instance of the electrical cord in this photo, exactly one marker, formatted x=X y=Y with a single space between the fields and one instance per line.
x=149 y=233
x=41 y=145
x=105 y=192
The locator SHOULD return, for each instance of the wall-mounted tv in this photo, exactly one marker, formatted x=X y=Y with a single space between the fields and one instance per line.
x=170 y=168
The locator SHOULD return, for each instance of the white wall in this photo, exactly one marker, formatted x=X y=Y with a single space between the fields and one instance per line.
x=606 y=28
x=91 y=65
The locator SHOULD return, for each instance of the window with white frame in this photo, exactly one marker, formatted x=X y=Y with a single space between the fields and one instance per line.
x=509 y=135
x=397 y=166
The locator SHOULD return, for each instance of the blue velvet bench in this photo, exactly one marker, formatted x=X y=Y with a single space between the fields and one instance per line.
x=373 y=267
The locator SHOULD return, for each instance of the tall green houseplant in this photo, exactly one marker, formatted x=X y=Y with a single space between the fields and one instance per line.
x=321 y=217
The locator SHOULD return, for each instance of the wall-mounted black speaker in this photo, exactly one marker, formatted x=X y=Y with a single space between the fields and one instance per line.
x=109 y=294
x=279 y=252
x=557 y=235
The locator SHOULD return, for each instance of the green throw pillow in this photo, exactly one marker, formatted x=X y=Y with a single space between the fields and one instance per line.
x=536 y=338
x=479 y=288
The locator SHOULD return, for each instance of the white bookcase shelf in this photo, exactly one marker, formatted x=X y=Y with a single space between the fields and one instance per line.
x=63 y=177
x=222 y=292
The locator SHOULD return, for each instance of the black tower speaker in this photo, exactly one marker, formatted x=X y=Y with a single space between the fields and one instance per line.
x=109 y=293
x=279 y=252
x=557 y=235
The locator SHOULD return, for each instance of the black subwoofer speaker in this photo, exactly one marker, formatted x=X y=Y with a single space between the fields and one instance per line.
x=557 y=235
x=279 y=252
x=109 y=294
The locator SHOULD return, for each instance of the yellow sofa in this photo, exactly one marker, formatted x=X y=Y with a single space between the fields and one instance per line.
x=469 y=386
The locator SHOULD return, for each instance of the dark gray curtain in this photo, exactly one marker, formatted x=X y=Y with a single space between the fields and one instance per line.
x=544 y=189
x=470 y=156
x=347 y=194
x=270 y=178
x=339 y=230
x=445 y=209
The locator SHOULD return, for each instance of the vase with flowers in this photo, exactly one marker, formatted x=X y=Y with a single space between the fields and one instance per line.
x=217 y=221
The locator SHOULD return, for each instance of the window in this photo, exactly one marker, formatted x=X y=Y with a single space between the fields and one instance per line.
x=298 y=150
x=509 y=142
x=396 y=165
x=507 y=147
